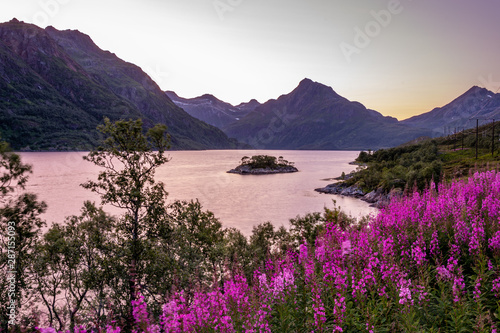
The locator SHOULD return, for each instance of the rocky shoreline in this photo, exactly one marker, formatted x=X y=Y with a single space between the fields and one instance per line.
x=377 y=198
x=248 y=170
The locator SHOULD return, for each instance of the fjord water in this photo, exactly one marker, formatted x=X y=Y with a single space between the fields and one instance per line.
x=239 y=201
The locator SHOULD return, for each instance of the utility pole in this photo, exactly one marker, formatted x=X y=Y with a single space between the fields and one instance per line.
x=454 y=139
x=477 y=135
x=463 y=134
x=493 y=138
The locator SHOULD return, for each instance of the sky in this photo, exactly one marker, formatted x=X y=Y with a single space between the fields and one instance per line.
x=399 y=57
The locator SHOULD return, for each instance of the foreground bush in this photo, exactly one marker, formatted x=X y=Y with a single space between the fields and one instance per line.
x=428 y=262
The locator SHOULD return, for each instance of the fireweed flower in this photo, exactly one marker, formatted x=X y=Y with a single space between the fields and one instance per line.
x=262 y=278
x=477 y=289
x=80 y=329
x=346 y=248
x=477 y=236
x=405 y=291
x=422 y=294
x=496 y=287
x=111 y=329
x=458 y=288
x=46 y=330
x=388 y=246
x=303 y=252
x=318 y=306
x=495 y=241
x=443 y=273
x=282 y=281
x=435 y=244
x=418 y=254
x=320 y=252
x=141 y=317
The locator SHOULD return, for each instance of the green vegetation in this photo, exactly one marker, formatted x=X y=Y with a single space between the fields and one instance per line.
x=416 y=164
x=428 y=262
x=265 y=161
x=398 y=167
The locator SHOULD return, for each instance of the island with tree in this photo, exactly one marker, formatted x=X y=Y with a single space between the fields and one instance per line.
x=263 y=165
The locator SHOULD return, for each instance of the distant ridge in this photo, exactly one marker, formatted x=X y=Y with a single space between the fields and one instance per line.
x=476 y=103
x=212 y=110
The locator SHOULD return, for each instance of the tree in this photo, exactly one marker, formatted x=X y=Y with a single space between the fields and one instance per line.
x=13 y=173
x=49 y=278
x=75 y=265
x=261 y=244
x=245 y=160
x=306 y=228
x=198 y=245
x=20 y=227
x=237 y=252
x=129 y=158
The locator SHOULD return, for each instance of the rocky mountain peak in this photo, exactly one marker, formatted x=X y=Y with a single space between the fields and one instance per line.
x=32 y=43
x=308 y=88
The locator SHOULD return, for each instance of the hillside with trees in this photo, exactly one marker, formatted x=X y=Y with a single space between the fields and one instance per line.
x=416 y=164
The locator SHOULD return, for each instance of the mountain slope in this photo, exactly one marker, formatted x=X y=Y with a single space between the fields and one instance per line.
x=57 y=86
x=313 y=116
x=212 y=110
x=476 y=103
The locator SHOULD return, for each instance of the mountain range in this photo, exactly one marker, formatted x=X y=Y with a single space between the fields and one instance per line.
x=57 y=86
x=313 y=116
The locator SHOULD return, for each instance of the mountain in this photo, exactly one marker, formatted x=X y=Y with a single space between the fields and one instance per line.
x=212 y=110
x=248 y=106
x=57 y=86
x=476 y=103
x=313 y=116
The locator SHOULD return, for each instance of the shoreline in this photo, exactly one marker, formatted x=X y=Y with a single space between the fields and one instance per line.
x=376 y=198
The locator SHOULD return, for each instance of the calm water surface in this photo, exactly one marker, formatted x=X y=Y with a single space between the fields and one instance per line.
x=238 y=201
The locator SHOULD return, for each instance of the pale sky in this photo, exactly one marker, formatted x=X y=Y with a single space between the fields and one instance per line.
x=399 y=57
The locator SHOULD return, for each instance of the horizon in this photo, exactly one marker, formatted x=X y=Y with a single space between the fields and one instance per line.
x=400 y=58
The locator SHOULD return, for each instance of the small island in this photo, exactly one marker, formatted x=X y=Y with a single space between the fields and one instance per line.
x=263 y=165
